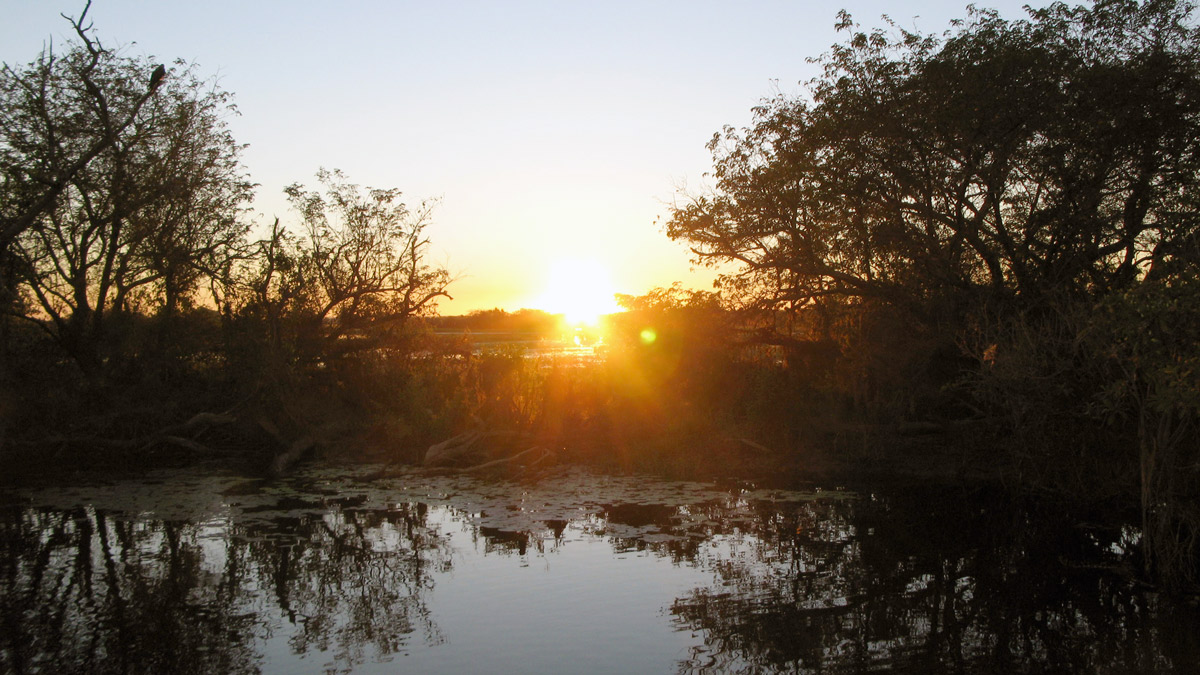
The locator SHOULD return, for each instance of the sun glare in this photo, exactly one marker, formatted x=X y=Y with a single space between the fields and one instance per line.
x=580 y=289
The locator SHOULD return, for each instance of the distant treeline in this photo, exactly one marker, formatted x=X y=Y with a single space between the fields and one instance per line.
x=526 y=321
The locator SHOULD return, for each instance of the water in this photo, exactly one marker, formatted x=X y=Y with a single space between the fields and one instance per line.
x=576 y=572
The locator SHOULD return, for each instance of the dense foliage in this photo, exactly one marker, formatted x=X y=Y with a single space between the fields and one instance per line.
x=1002 y=160
x=1000 y=222
x=133 y=295
x=134 y=228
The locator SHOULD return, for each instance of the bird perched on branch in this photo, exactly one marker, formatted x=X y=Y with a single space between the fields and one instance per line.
x=157 y=76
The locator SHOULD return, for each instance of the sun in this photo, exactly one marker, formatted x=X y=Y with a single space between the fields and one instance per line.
x=579 y=289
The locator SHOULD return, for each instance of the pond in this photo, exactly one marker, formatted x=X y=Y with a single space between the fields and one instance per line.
x=331 y=570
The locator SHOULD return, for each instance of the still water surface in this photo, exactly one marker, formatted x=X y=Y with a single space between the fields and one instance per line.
x=574 y=572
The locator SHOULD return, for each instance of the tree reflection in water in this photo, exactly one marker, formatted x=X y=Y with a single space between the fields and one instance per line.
x=354 y=581
x=86 y=592
x=922 y=583
x=344 y=572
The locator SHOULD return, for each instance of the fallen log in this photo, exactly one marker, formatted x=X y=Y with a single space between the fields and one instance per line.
x=471 y=448
x=175 y=434
x=451 y=449
x=294 y=449
x=293 y=454
x=188 y=443
x=199 y=421
x=543 y=455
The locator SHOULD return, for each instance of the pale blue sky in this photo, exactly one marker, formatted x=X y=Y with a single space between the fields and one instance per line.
x=548 y=130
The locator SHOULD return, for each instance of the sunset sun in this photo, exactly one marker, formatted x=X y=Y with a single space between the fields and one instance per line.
x=579 y=289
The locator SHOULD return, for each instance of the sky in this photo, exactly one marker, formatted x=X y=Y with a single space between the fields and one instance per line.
x=554 y=135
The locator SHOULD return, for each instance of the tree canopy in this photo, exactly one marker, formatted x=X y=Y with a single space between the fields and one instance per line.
x=352 y=281
x=1000 y=160
x=122 y=188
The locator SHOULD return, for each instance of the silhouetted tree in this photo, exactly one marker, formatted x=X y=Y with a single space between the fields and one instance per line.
x=365 y=258
x=1003 y=159
x=38 y=167
x=1035 y=183
x=117 y=194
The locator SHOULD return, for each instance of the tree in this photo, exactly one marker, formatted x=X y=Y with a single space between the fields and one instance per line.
x=122 y=187
x=61 y=150
x=1150 y=338
x=1003 y=160
x=1034 y=183
x=356 y=277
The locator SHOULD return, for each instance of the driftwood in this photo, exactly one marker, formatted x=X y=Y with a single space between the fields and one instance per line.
x=179 y=433
x=472 y=448
x=176 y=434
x=480 y=451
x=199 y=421
x=542 y=455
x=450 y=450
x=293 y=454
x=296 y=449
x=188 y=443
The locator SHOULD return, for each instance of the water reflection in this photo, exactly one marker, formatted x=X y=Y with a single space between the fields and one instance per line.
x=927 y=582
x=87 y=593
x=576 y=572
